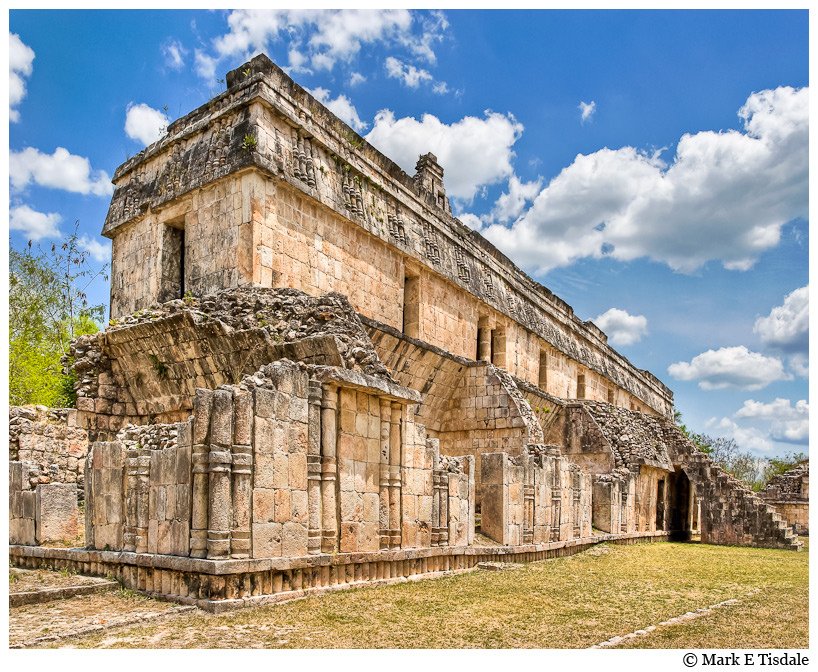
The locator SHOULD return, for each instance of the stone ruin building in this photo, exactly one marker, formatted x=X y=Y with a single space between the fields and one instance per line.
x=315 y=376
x=789 y=494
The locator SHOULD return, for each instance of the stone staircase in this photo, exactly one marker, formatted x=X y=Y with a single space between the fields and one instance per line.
x=731 y=512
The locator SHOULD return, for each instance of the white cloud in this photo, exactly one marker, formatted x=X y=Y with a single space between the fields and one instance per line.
x=621 y=327
x=761 y=423
x=341 y=107
x=356 y=78
x=440 y=88
x=724 y=196
x=470 y=220
x=586 y=110
x=730 y=367
x=98 y=251
x=747 y=438
x=787 y=325
x=21 y=60
x=144 y=124
x=474 y=152
x=60 y=170
x=799 y=364
x=778 y=409
x=319 y=39
x=174 y=54
x=409 y=74
x=34 y=225
x=511 y=203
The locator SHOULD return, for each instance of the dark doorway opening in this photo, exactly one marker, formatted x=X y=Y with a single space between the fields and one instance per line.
x=680 y=503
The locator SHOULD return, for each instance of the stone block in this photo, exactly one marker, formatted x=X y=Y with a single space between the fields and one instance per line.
x=263 y=505
x=57 y=514
x=267 y=540
x=299 y=506
x=349 y=537
x=294 y=540
x=282 y=506
x=21 y=531
x=263 y=470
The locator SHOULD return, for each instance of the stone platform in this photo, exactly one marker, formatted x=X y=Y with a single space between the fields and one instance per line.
x=222 y=585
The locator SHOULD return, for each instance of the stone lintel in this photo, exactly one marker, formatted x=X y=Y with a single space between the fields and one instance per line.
x=366 y=383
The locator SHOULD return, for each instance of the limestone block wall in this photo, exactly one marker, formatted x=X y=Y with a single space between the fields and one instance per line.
x=789 y=494
x=40 y=513
x=471 y=408
x=614 y=497
x=50 y=439
x=295 y=460
x=22 y=498
x=537 y=497
x=652 y=507
x=268 y=124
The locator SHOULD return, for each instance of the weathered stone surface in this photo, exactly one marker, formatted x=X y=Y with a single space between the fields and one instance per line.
x=57 y=514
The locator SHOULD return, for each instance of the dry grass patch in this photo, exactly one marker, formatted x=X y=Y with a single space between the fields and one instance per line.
x=562 y=603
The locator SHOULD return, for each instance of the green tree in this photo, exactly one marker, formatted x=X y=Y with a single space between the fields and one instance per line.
x=48 y=308
x=779 y=465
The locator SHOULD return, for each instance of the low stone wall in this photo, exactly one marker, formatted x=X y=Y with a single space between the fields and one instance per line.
x=218 y=586
x=40 y=513
x=537 y=497
x=50 y=439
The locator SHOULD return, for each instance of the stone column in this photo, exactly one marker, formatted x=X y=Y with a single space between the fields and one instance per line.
x=131 y=470
x=314 y=467
x=143 y=485
x=202 y=408
x=220 y=509
x=436 y=497
x=394 y=475
x=528 y=500
x=383 y=474
x=329 y=469
x=242 y=462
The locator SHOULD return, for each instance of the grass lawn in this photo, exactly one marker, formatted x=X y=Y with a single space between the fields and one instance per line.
x=561 y=603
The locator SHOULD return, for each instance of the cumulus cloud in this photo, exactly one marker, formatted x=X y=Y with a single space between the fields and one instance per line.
x=621 y=327
x=356 y=78
x=730 y=367
x=341 y=107
x=318 y=39
x=757 y=424
x=799 y=365
x=408 y=74
x=586 y=110
x=34 y=225
x=174 y=54
x=474 y=152
x=510 y=204
x=98 y=251
x=748 y=438
x=21 y=65
x=778 y=409
x=60 y=170
x=144 y=124
x=724 y=196
x=787 y=325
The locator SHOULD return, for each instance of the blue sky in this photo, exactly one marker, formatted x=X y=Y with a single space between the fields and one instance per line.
x=650 y=167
